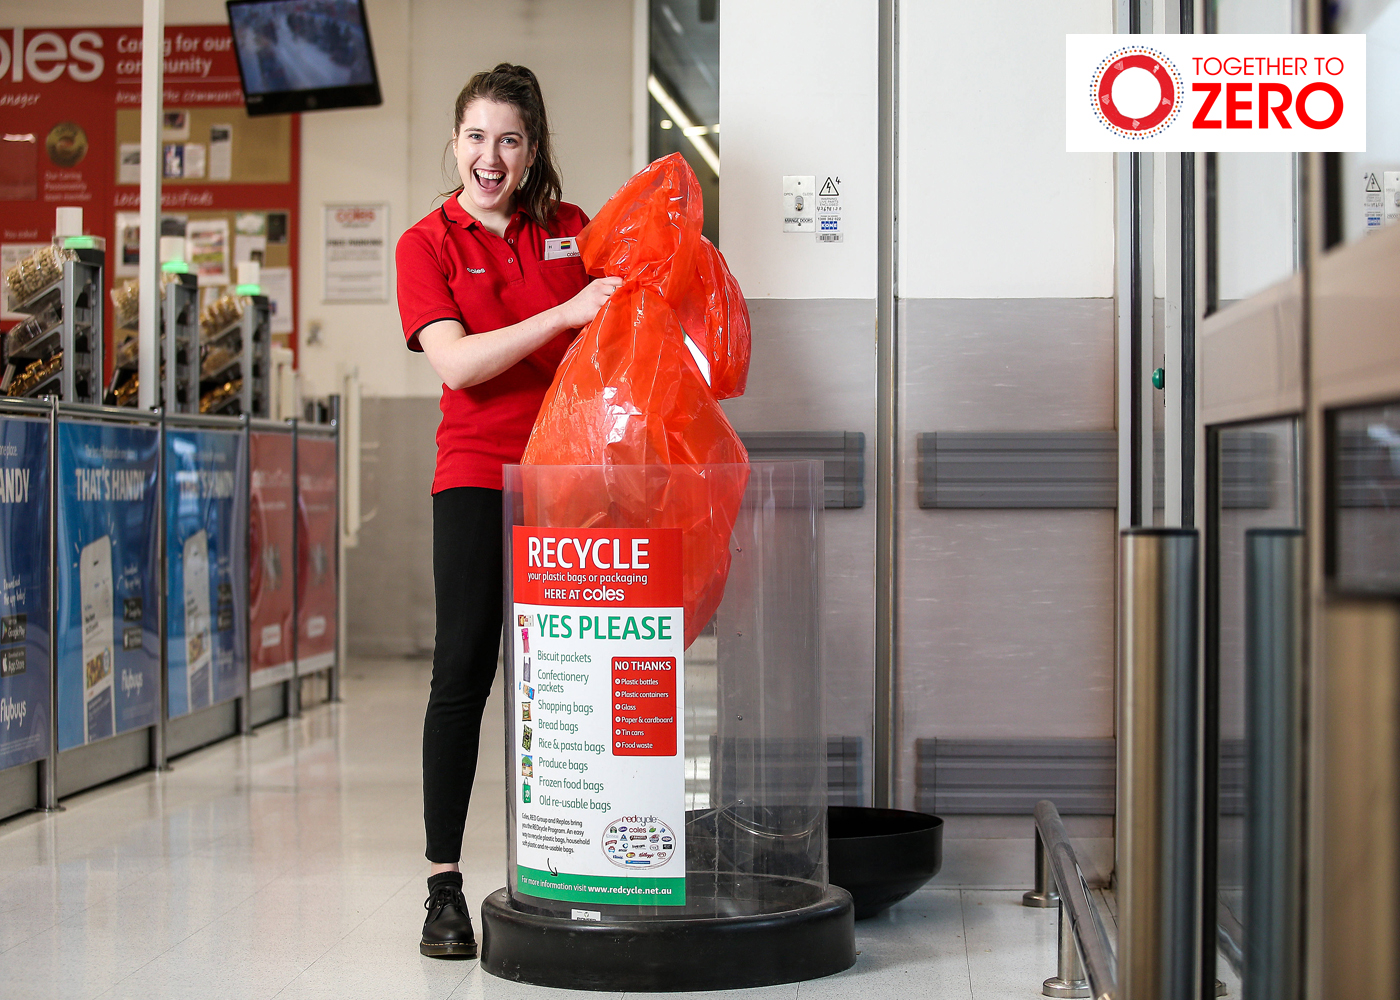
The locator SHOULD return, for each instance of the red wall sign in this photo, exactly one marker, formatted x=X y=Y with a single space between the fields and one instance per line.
x=316 y=553
x=61 y=93
x=270 y=527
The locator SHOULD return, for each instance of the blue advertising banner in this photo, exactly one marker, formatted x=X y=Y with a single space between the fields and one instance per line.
x=206 y=578
x=24 y=590
x=108 y=547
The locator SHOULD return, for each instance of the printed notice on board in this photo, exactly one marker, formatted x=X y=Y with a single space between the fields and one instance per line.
x=598 y=706
x=357 y=253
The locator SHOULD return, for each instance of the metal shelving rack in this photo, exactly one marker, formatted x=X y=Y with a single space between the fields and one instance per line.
x=180 y=355
x=73 y=332
x=249 y=361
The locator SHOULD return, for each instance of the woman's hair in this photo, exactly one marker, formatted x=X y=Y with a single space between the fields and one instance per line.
x=517 y=86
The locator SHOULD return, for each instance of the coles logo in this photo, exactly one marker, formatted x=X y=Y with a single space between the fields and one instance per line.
x=354 y=216
x=1136 y=92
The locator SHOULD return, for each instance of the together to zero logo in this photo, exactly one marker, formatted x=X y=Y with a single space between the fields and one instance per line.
x=1147 y=98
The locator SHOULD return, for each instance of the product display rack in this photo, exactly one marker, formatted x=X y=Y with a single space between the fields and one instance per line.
x=236 y=363
x=180 y=345
x=179 y=339
x=58 y=350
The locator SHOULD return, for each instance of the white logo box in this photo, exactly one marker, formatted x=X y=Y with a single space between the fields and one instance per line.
x=1215 y=93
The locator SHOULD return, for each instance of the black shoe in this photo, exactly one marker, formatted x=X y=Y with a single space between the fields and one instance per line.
x=447 y=933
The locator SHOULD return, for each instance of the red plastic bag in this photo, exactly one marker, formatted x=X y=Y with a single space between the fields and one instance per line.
x=630 y=392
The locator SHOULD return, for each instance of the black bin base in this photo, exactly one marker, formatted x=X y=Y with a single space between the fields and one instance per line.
x=700 y=953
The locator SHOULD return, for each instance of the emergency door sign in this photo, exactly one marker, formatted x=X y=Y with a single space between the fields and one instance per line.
x=599 y=634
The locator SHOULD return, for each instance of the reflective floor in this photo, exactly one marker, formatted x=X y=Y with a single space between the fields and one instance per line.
x=290 y=865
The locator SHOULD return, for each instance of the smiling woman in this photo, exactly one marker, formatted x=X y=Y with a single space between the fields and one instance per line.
x=492 y=290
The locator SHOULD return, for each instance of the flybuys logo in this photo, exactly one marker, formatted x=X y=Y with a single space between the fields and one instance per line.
x=132 y=681
x=12 y=712
x=1222 y=93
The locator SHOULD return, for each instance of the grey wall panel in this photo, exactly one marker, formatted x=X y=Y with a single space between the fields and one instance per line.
x=390 y=573
x=267 y=703
x=87 y=766
x=1008 y=777
x=1007 y=364
x=190 y=732
x=813 y=369
x=1007 y=616
x=19 y=789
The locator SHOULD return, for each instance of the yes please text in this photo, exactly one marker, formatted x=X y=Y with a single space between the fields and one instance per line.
x=611 y=627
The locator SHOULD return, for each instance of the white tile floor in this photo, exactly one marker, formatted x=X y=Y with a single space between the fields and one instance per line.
x=290 y=865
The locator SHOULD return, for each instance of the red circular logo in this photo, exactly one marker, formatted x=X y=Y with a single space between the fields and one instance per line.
x=1162 y=73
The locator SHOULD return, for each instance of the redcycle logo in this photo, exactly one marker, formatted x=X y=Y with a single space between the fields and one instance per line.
x=1201 y=93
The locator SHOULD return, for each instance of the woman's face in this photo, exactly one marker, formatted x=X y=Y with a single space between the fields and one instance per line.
x=493 y=152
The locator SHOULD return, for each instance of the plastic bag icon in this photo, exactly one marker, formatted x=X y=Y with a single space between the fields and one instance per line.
x=636 y=398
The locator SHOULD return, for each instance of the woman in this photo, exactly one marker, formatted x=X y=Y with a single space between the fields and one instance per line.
x=492 y=290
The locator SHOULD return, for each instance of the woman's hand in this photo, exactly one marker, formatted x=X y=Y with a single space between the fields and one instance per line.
x=580 y=310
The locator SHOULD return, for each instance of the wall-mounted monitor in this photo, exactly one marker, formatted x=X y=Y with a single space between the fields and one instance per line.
x=303 y=55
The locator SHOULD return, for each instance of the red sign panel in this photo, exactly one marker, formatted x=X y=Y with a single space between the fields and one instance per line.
x=69 y=98
x=644 y=706
x=317 y=592
x=270 y=527
x=597 y=568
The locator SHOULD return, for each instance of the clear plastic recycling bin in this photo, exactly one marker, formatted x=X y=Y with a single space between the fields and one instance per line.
x=663 y=793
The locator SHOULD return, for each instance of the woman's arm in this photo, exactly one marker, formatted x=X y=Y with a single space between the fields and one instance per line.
x=463 y=360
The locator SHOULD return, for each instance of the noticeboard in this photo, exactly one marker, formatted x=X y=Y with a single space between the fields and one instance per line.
x=72 y=107
x=205 y=511
x=24 y=590
x=108 y=579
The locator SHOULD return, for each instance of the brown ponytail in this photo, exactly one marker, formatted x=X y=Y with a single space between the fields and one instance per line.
x=517 y=86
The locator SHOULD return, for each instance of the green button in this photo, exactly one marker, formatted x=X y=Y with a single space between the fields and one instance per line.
x=1159 y=378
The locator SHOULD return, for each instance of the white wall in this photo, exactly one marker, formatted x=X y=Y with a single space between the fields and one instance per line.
x=425 y=51
x=582 y=54
x=991 y=205
x=798 y=96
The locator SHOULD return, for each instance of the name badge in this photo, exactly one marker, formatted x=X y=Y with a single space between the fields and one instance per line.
x=566 y=247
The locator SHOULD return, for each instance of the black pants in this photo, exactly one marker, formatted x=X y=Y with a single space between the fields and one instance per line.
x=467 y=566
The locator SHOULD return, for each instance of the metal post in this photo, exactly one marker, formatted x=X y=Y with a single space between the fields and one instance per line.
x=1275 y=589
x=1043 y=895
x=1159 y=929
x=885 y=743
x=245 y=703
x=48 y=779
x=333 y=679
x=152 y=102
x=1068 y=980
x=160 y=759
x=294 y=684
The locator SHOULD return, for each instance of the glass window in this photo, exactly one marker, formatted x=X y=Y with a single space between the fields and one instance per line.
x=683 y=84
x=1368 y=184
x=1257 y=472
x=1256 y=194
x=1365 y=500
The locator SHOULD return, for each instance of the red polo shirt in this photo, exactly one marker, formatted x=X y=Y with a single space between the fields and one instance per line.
x=452 y=267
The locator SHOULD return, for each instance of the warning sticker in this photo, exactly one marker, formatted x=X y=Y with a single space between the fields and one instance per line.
x=829 y=212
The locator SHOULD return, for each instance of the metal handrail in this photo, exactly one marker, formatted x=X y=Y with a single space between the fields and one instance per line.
x=1087 y=930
